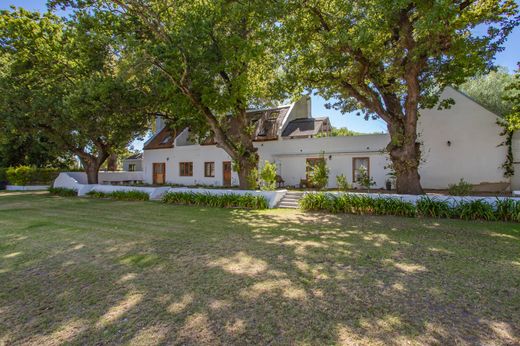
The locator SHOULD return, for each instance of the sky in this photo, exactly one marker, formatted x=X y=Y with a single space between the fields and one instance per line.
x=507 y=58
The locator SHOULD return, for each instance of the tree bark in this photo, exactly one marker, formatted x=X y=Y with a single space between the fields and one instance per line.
x=405 y=153
x=246 y=163
x=92 y=173
x=112 y=162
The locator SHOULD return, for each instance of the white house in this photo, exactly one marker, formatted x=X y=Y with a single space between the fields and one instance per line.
x=461 y=142
x=133 y=163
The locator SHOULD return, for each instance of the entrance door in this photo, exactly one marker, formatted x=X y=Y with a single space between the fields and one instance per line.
x=159 y=172
x=226 y=173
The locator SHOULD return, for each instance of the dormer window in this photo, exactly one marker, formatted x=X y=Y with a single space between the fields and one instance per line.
x=166 y=139
x=274 y=115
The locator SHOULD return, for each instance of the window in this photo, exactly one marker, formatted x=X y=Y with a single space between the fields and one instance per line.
x=209 y=169
x=131 y=167
x=186 y=169
x=357 y=163
x=166 y=139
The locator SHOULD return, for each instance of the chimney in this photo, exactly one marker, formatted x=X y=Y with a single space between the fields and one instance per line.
x=159 y=123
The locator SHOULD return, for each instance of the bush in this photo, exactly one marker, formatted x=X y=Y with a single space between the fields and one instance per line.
x=252 y=179
x=268 y=176
x=431 y=208
x=247 y=201
x=132 y=195
x=364 y=179
x=25 y=175
x=319 y=174
x=502 y=210
x=463 y=188
x=62 y=191
x=342 y=182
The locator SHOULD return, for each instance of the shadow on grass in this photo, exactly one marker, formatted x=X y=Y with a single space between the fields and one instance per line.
x=144 y=273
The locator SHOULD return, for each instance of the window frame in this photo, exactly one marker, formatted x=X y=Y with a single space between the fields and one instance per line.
x=211 y=165
x=354 y=159
x=131 y=167
x=186 y=169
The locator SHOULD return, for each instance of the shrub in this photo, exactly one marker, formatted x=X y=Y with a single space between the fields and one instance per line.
x=132 y=195
x=268 y=176
x=252 y=179
x=342 y=182
x=463 y=188
x=24 y=175
x=474 y=210
x=357 y=204
x=62 y=191
x=507 y=210
x=364 y=179
x=502 y=210
x=247 y=201
x=431 y=208
x=319 y=174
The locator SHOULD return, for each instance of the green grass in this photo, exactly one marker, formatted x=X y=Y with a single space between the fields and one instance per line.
x=86 y=271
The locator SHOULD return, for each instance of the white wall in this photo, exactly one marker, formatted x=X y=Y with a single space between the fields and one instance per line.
x=474 y=153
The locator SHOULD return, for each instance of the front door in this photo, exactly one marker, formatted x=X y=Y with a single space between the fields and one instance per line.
x=159 y=172
x=226 y=173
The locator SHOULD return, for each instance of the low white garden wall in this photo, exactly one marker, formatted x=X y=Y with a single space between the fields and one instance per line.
x=26 y=187
x=452 y=200
x=73 y=180
x=273 y=197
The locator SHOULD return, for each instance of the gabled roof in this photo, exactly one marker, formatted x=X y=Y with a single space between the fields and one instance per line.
x=162 y=140
x=306 y=127
x=137 y=156
x=266 y=121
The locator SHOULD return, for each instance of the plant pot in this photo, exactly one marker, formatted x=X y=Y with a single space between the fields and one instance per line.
x=389 y=185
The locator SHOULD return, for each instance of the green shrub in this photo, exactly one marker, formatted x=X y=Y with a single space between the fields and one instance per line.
x=431 y=208
x=357 y=204
x=247 y=201
x=463 y=188
x=502 y=210
x=474 y=210
x=364 y=179
x=3 y=174
x=25 y=175
x=507 y=210
x=268 y=176
x=62 y=191
x=319 y=174
x=132 y=195
x=252 y=179
x=342 y=182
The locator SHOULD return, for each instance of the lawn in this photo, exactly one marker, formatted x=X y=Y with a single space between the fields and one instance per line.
x=82 y=271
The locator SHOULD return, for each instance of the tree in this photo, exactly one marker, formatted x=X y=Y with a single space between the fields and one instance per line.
x=392 y=59
x=71 y=81
x=490 y=90
x=216 y=62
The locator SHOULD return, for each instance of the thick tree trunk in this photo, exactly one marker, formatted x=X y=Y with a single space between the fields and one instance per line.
x=112 y=162
x=246 y=164
x=92 y=171
x=405 y=154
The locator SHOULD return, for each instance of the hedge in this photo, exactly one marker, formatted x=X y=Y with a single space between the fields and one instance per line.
x=247 y=201
x=501 y=210
x=27 y=175
x=62 y=191
x=132 y=195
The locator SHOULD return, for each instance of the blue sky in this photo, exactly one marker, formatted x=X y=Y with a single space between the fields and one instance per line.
x=508 y=58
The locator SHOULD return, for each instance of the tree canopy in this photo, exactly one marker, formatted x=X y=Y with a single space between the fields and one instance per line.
x=392 y=59
x=70 y=80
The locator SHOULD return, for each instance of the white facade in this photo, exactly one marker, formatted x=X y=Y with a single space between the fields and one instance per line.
x=460 y=142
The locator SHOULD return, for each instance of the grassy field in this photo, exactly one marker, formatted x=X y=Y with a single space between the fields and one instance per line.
x=81 y=271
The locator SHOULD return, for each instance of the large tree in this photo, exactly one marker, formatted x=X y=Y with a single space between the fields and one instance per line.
x=70 y=80
x=215 y=60
x=391 y=59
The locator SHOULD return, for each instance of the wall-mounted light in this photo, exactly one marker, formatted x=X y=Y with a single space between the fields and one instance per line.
x=448 y=143
x=167 y=159
x=330 y=157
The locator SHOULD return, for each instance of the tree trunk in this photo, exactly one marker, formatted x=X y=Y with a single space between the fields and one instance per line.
x=246 y=163
x=92 y=170
x=405 y=154
x=112 y=162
